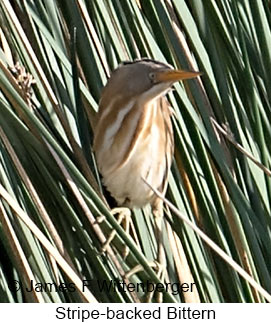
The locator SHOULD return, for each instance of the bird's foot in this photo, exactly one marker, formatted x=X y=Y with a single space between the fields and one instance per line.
x=124 y=217
x=161 y=272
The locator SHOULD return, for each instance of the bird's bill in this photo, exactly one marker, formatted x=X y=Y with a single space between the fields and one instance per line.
x=175 y=75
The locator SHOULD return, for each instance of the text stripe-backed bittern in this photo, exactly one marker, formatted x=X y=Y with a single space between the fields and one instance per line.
x=133 y=137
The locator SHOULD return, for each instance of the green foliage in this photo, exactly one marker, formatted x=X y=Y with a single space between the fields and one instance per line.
x=54 y=217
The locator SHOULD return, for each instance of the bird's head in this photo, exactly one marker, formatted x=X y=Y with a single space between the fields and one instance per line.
x=145 y=78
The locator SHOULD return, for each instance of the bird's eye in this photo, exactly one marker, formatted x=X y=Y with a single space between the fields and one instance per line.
x=152 y=77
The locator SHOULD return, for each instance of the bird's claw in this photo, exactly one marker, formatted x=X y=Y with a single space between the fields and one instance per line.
x=161 y=273
x=124 y=215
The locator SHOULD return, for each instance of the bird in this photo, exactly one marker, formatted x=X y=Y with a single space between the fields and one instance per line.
x=133 y=134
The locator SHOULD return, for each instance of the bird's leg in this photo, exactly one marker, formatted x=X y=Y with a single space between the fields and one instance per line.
x=158 y=221
x=124 y=215
x=157 y=209
x=159 y=264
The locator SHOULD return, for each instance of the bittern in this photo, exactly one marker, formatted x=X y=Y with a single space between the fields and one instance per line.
x=133 y=136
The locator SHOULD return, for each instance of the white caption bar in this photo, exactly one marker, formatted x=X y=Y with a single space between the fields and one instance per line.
x=34 y=313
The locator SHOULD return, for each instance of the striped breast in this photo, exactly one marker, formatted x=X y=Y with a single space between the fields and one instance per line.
x=132 y=141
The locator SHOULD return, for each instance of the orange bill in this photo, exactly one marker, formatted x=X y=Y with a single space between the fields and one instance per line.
x=175 y=75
